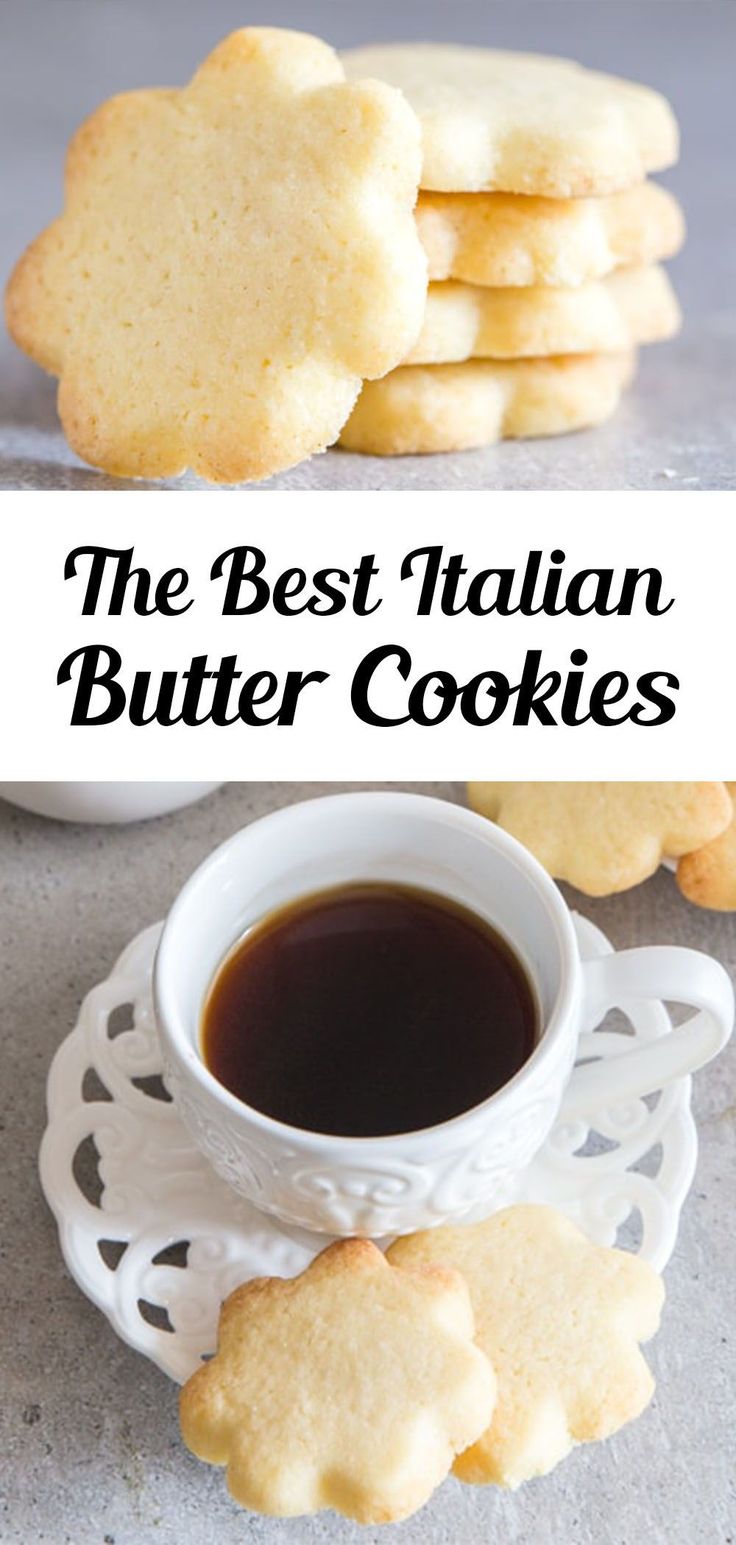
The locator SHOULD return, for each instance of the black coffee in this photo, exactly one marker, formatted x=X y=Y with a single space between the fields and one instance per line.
x=368 y=1009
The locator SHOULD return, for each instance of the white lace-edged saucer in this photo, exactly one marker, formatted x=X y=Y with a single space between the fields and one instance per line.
x=155 y=1238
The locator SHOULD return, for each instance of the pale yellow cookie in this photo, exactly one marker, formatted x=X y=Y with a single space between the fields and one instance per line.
x=523 y=123
x=234 y=257
x=352 y=1386
x=708 y=876
x=605 y=837
x=510 y=239
x=420 y=409
x=560 y=1319
x=609 y=316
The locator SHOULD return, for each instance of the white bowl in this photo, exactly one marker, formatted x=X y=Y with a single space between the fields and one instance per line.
x=103 y=802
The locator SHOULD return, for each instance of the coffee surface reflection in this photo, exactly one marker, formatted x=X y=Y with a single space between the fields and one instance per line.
x=368 y=1009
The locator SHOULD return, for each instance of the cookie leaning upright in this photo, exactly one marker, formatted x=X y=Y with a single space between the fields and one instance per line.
x=234 y=258
x=352 y=1386
x=560 y=1319
x=542 y=237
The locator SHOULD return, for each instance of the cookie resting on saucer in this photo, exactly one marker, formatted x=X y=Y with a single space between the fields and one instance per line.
x=352 y=1386
x=560 y=1320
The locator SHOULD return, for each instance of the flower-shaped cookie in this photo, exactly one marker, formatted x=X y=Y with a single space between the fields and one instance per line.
x=514 y=239
x=708 y=876
x=233 y=259
x=524 y=123
x=605 y=837
x=352 y=1386
x=560 y=1320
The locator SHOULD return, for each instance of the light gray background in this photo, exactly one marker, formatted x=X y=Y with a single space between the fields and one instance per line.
x=89 y=1447
x=59 y=58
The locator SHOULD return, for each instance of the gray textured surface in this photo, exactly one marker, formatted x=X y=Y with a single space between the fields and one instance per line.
x=89 y=1451
x=677 y=429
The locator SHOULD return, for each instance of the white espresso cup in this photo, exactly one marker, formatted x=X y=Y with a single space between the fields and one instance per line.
x=394 y=1184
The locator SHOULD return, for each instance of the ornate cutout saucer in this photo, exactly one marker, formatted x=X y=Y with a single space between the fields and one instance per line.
x=157 y=1240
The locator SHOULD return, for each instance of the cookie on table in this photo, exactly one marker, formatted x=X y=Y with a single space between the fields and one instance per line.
x=605 y=837
x=523 y=123
x=421 y=409
x=508 y=239
x=560 y=1320
x=233 y=259
x=352 y=1386
x=708 y=876
x=611 y=315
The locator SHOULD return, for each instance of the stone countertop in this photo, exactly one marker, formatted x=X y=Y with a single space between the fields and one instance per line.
x=676 y=430
x=89 y=1446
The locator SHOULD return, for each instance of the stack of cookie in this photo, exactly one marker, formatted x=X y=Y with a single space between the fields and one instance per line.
x=238 y=256
x=543 y=241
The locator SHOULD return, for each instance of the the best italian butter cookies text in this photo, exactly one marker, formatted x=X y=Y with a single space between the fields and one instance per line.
x=384 y=686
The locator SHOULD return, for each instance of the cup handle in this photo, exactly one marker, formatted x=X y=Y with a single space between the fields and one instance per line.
x=662 y=973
